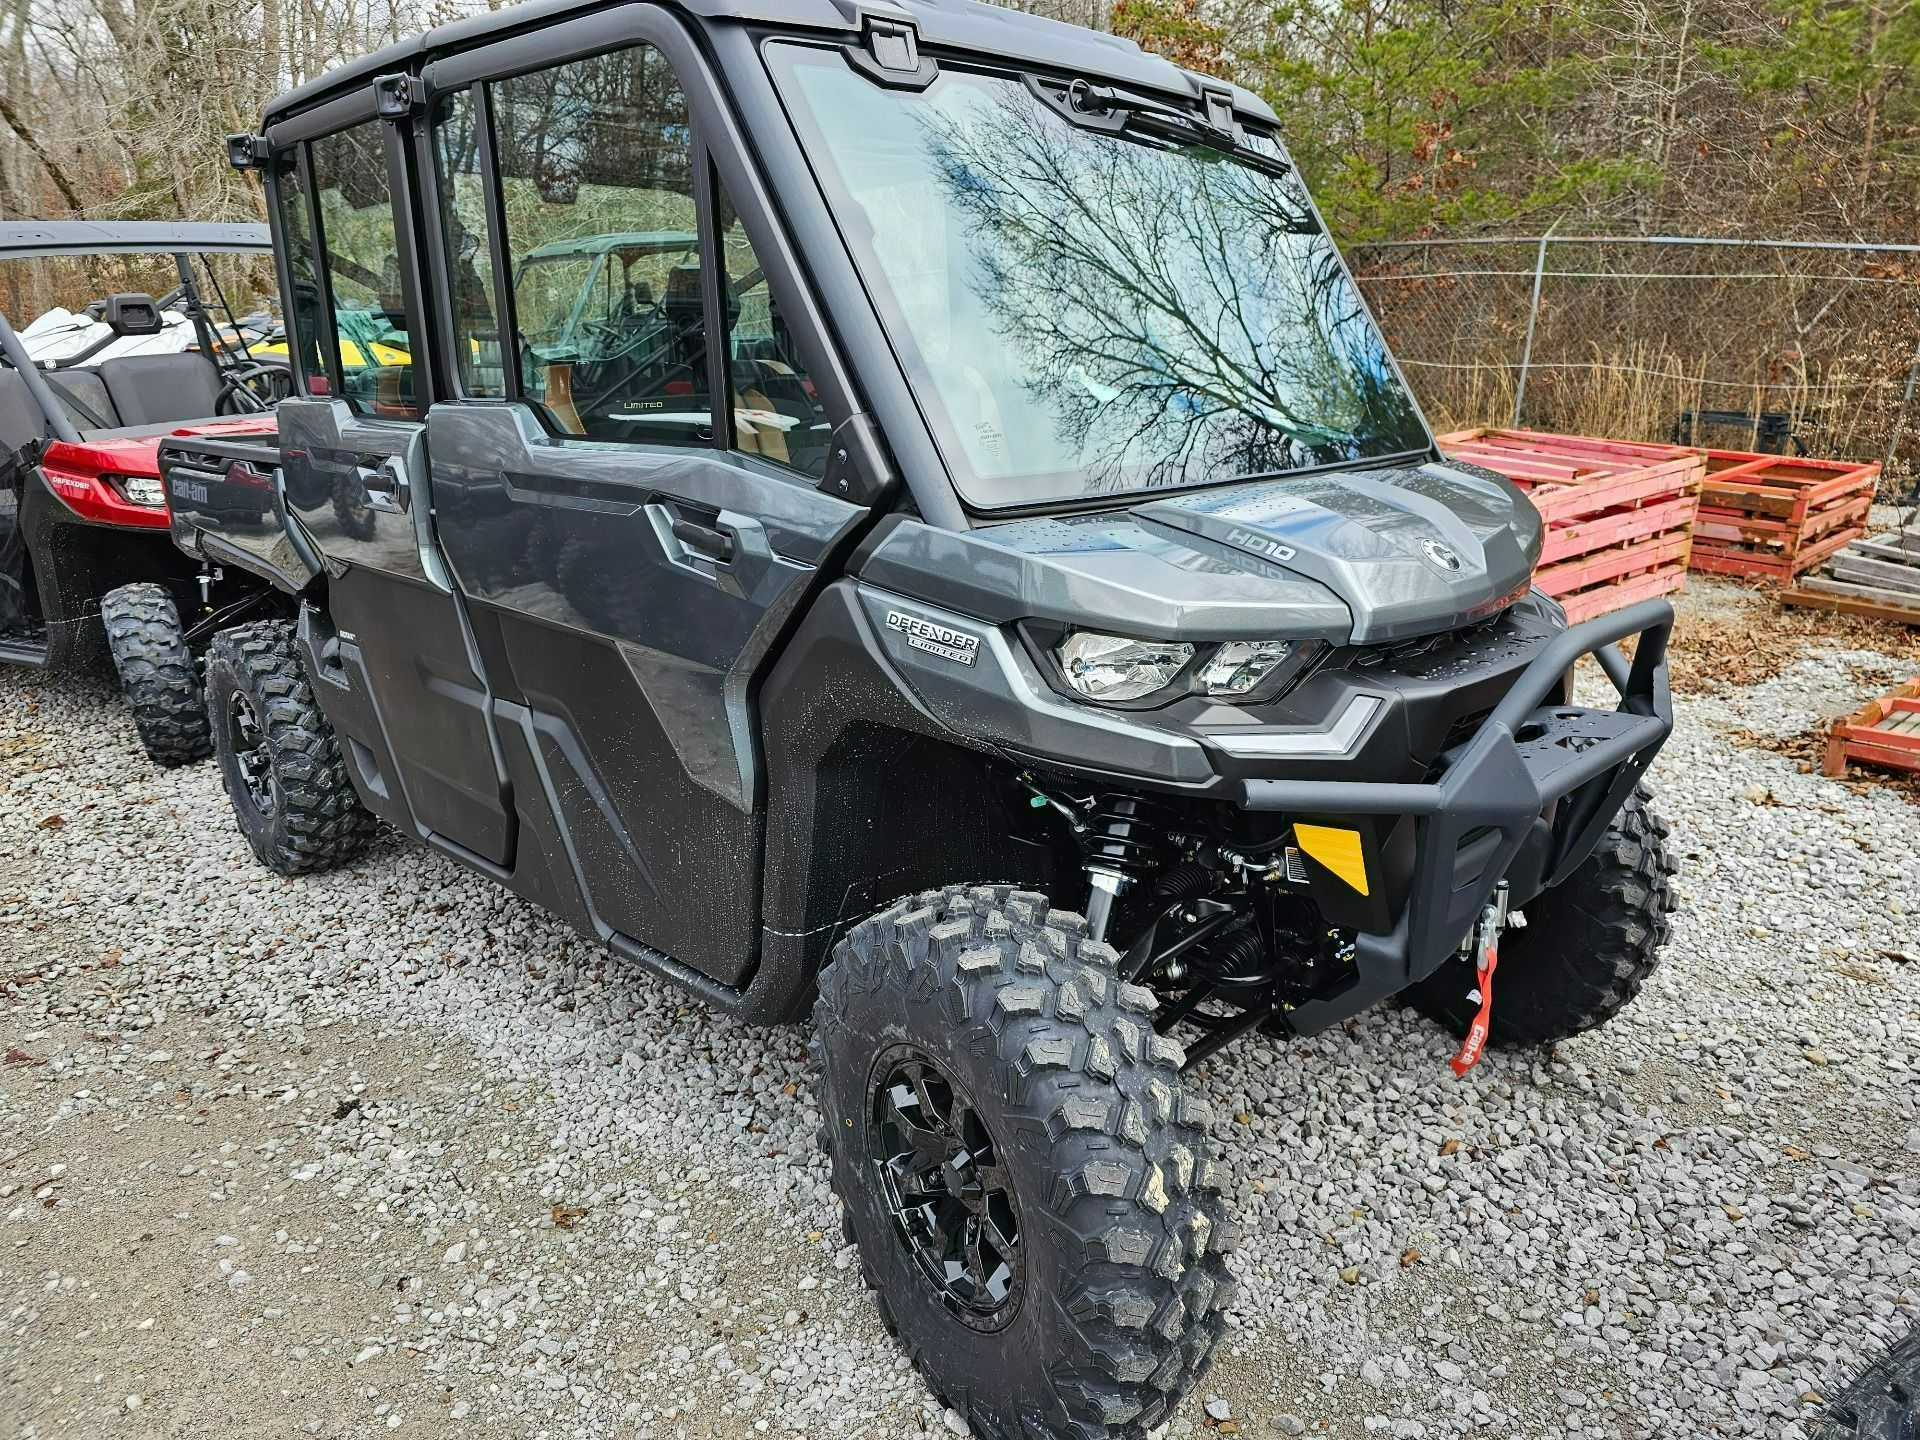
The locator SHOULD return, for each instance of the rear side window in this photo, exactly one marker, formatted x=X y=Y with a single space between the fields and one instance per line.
x=478 y=351
x=361 y=257
x=301 y=308
x=595 y=160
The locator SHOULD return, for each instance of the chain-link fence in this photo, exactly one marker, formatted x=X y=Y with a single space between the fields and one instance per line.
x=1776 y=345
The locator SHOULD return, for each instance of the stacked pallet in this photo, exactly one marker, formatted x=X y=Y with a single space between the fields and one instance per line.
x=1770 y=517
x=1877 y=578
x=1619 y=514
x=1885 y=732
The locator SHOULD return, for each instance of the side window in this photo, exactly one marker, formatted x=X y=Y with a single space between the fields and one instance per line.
x=301 y=309
x=596 y=182
x=775 y=411
x=362 y=260
x=465 y=228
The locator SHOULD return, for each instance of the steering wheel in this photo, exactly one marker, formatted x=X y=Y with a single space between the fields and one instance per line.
x=250 y=389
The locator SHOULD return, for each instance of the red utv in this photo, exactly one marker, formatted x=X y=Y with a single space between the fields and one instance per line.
x=88 y=571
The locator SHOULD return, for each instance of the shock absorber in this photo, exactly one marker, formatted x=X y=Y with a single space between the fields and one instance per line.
x=1120 y=842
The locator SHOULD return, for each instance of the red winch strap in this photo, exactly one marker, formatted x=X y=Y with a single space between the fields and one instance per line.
x=1475 y=1045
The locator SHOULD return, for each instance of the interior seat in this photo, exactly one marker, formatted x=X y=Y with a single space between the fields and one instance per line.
x=158 y=389
x=20 y=420
x=84 y=394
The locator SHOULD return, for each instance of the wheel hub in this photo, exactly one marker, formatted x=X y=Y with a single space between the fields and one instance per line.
x=249 y=739
x=948 y=1194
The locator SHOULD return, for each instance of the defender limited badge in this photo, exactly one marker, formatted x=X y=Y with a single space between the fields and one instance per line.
x=1260 y=544
x=1442 y=556
x=942 y=640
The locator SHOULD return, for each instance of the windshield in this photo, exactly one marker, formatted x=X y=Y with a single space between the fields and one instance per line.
x=1084 y=313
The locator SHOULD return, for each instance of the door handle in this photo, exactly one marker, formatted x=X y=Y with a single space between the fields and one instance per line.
x=704 y=540
x=388 y=489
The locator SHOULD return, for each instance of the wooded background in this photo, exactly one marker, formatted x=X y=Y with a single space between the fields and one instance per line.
x=1777 y=118
x=1411 y=119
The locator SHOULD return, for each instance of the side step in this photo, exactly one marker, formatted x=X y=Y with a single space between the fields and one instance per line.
x=17 y=649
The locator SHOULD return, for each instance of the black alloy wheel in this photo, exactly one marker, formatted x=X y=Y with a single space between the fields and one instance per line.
x=248 y=739
x=949 y=1196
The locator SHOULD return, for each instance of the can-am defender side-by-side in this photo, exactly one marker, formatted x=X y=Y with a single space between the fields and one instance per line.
x=87 y=571
x=979 y=579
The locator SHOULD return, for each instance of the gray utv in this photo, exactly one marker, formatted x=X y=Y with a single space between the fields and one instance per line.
x=982 y=581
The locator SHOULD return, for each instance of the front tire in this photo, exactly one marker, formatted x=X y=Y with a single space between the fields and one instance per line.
x=278 y=757
x=1588 y=946
x=157 y=673
x=1026 y=1176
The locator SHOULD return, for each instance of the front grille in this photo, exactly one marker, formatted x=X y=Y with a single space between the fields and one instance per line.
x=1496 y=640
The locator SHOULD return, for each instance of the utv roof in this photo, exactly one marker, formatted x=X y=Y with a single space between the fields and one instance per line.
x=624 y=240
x=961 y=25
x=31 y=239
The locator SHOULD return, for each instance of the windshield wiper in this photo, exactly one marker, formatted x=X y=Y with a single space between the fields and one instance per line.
x=1114 y=112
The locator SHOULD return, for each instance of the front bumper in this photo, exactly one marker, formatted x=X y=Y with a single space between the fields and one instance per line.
x=1537 y=780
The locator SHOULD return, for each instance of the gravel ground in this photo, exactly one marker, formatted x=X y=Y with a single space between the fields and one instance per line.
x=389 y=1150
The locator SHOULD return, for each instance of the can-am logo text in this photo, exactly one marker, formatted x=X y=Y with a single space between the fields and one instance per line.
x=1260 y=545
x=1441 y=555
x=942 y=640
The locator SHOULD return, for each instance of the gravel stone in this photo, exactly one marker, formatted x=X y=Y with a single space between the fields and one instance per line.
x=481 y=1178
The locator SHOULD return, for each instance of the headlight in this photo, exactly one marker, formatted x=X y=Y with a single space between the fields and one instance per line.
x=1112 y=667
x=1239 y=665
x=143 y=490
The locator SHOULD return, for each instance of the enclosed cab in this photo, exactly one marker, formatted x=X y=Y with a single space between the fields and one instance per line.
x=901 y=514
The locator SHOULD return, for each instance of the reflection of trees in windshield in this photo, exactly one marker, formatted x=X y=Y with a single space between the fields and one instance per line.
x=1175 y=312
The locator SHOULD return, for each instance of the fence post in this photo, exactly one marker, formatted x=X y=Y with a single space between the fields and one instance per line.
x=1533 y=321
x=1906 y=408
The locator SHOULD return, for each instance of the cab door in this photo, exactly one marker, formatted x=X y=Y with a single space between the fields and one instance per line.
x=629 y=475
x=393 y=660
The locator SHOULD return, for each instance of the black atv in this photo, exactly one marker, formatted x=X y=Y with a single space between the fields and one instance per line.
x=87 y=572
x=993 y=592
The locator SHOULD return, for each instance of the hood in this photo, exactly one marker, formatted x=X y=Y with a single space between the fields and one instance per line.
x=1363 y=556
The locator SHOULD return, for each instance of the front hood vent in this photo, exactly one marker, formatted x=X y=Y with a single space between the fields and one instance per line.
x=1407 y=551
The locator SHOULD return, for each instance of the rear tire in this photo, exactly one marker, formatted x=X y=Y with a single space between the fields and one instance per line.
x=1588 y=946
x=157 y=673
x=278 y=757
x=1067 y=1128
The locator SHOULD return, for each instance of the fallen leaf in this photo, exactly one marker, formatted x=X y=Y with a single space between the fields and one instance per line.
x=814 y=1237
x=1409 y=1257
x=1451 y=1146
x=53 y=822
x=789 y=1088
x=1818 y=1057
x=565 y=1216
x=1734 y=1212
x=20 y=1057
x=1794 y=1152
x=1865 y=974
x=1903 y=957
x=1351 y=1275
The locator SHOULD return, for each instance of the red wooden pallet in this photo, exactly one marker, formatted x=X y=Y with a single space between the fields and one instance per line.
x=1772 y=517
x=1619 y=513
x=1883 y=732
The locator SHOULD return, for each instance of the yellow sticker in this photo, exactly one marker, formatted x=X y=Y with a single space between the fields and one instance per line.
x=1338 y=850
